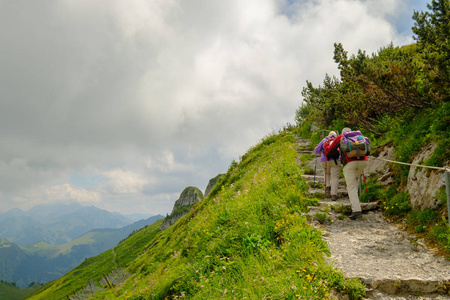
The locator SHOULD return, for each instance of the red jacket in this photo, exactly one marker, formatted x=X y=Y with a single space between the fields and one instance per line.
x=344 y=159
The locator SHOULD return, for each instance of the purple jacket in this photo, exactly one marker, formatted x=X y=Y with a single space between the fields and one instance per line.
x=319 y=149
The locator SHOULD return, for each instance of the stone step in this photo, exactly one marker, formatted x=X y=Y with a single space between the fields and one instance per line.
x=311 y=179
x=320 y=192
x=305 y=152
x=399 y=286
x=385 y=259
x=345 y=204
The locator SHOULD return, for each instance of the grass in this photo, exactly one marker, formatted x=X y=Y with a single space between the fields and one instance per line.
x=94 y=268
x=248 y=239
x=9 y=291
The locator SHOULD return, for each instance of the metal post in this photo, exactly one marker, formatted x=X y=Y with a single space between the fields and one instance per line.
x=447 y=183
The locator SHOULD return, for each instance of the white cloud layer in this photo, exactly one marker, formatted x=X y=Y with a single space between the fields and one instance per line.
x=157 y=95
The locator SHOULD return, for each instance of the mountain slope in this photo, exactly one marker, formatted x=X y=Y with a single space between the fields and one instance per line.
x=248 y=238
x=9 y=291
x=43 y=262
x=93 y=268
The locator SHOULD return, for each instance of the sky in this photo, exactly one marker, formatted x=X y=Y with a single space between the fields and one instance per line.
x=123 y=104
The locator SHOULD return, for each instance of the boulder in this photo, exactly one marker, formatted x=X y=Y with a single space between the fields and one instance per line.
x=423 y=183
x=188 y=197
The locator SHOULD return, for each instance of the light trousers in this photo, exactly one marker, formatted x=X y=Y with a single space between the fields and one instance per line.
x=332 y=175
x=352 y=172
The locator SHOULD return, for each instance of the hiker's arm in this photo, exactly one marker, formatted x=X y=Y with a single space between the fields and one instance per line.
x=334 y=144
x=319 y=147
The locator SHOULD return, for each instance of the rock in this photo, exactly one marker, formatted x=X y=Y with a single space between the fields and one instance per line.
x=212 y=183
x=424 y=184
x=188 y=197
x=376 y=165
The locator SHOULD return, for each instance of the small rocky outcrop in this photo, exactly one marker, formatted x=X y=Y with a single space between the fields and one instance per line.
x=188 y=198
x=424 y=184
x=212 y=183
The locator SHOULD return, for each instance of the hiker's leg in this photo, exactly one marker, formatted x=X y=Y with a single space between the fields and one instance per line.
x=335 y=169
x=361 y=165
x=351 y=178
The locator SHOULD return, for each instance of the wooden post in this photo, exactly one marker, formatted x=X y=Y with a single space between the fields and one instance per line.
x=107 y=281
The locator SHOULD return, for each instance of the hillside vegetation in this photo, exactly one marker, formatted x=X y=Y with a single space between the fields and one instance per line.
x=398 y=96
x=246 y=239
x=11 y=291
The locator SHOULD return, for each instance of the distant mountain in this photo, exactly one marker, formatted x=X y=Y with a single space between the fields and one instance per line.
x=46 y=212
x=137 y=217
x=42 y=262
x=55 y=224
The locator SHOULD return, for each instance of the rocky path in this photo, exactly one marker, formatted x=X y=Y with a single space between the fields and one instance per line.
x=392 y=264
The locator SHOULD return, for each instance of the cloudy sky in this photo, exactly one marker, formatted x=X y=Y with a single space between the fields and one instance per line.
x=123 y=104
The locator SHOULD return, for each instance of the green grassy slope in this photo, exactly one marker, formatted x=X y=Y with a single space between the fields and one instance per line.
x=11 y=292
x=94 y=268
x=246 y=239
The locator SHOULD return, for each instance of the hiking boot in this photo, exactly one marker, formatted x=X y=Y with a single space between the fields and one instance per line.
x=333 y=197
x=355 y=215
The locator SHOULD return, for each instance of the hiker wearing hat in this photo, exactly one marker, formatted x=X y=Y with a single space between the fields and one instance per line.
x=330 y=165
x=354 y=161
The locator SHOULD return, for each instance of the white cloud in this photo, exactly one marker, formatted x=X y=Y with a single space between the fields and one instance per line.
x=65 y=193
x=124 y=182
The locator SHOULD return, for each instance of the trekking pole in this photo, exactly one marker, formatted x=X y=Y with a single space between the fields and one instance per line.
x=365 y=185
x=359 y=185
x=315 y=166
x=325 y=178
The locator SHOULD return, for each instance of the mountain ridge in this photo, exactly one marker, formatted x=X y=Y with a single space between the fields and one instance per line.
x=56 y=224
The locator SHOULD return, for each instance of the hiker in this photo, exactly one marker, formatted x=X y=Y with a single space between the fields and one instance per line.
x=330 y=165
x=353 y=165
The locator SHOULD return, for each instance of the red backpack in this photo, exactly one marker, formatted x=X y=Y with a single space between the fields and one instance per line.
x=331 y=153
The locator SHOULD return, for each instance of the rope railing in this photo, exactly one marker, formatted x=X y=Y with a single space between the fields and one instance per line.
x=414 y=165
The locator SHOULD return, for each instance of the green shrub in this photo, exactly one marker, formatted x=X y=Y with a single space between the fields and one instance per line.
x=397 y=205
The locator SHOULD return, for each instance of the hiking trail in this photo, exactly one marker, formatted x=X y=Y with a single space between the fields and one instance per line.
x=392 y=263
